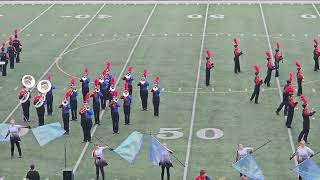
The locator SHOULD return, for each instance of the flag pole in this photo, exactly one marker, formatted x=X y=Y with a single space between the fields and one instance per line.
x=261 y=146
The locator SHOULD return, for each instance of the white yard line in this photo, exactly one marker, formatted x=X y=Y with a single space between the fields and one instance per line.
x=185 y=172
x=277 y=79
x=118 y=80
x=316 y=9
x=60 y=56
x=185 y=2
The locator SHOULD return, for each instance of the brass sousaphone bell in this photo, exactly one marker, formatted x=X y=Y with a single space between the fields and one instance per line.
x=43 y=87
x=28 y=82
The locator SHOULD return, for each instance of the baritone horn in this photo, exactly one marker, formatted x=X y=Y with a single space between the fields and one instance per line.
x=28 y=82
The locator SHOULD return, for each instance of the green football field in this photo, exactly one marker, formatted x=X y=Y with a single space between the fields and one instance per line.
x=202 y=125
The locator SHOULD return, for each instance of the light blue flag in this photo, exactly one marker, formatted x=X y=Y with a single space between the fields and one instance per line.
x=308 y=170
x=45 y=134
x=3 y=132
x=155 y=151
x=248 y=166
x=130 y=147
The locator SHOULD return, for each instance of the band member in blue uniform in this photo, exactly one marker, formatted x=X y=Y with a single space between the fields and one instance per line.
x=11 y=50
x=65 y=110
x=129 y=79
x=96 y=96
x=144 y=85
x=4 y=58
x=49 y=97
x=156 y=96
x=114 y=106
x=17 y=45
x=86 y=119
x=73 y=100
x=126 y=104
x=104 y=88
x=112 y=89
x=85 y=80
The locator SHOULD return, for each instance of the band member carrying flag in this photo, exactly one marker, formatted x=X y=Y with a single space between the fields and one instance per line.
x=85 y=80
x=316 y=54
x=306 y=120
x=17 y=45
x=11 y=50
x=257 y=84
x=114 y=106
x=156 y=96
x=99 y=161
x=270 y=67
x=13 y=131
x=237 y=55
x=4 y=58
x=49 y=97
x=126 y=104
x=129 y=79
x=73 y=100
x=299 y=78
x=242 y=152
x=96 y=96
x=277 y=57
x=209 y=66
x=144 y=84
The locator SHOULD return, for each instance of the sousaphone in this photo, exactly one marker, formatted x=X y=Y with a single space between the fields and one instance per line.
x=43 y=87
x=28 y=82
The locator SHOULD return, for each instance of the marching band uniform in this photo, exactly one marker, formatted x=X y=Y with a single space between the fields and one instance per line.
x=112 y=89
x=114 y=106
x=86 y=119
x=299 y=78
x=11 y=50
x=99 y=161
x=316 y=55
x=110 y=83
x=237 y=55
x=306 y=120
x=277 y=57
x=65 y=108
x=103 y=82
x=129 y=79
x=73 y=100
x=270 y=67
x=209 y=66
x=17 y=45
x=13 y=131
x=96 y=96
x=144 y=84
x=302 y=152
x=126 y=103
x=85 y=80
x=156 y=96
x=165 y=161
x=25 y=105
x=4 y=58
x=242 y=152
x=287 y=89
x=257 y=84
x=291 y=106
x=49 y=97
x=40 y=110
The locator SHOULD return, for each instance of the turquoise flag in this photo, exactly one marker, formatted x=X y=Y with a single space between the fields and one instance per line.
x=3 y=132
x=155 y=151
x=45 y=134
x=248 y=166
x=308 y=170
x=130 y=147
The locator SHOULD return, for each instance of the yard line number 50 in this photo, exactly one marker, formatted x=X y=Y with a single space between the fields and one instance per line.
x=174 y=133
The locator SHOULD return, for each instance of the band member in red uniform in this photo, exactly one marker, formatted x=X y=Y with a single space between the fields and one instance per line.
x=17 y=45
x=4 y=58
x=11 y=50
x=270 y=67
x=126 y=104
x=277 y=57
x=24 y=96
x=299 y=78
x=306 y=120
x=287 y=90
x=209 y=66
x=257 y=84
x=237 y=55
x=129 y=79
x=316 y=54
x=291 y=105
x=39 y=102
x=85 y=80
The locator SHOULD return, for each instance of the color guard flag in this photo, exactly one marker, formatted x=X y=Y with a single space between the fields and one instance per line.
x=248 y=166
x=45 y=134
x=308 y=170
x=155 y=151
x=3 y=132
x=130 y=147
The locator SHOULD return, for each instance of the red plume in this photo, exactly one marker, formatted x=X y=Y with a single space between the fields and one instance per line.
x=304 y=99
x=3 y=45
x=235 y=41
x=112 y=81
x=208 y=53
x=96 y=82
x=268 y=54
x=10 y=39
x=86 y=70
x=49 y=77
x=87 y=99
x=108 y=65
x=290 y=76
x=144 y=72
x=104 y=72
x=130 y=69
x=298 y=64
x=256 y=68
x=73 y=81
x=315 y=42
x=115 y=93
x=278 y=45
x=126 y=86
x=157 y=79
x=15 y=32
x=68 y=94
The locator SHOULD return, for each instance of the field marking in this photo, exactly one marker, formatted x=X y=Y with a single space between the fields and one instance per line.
x=21 y=30
x=277 y=79
x=119 y=78
x=185 y=172
x=161 y=2
x=316 y=9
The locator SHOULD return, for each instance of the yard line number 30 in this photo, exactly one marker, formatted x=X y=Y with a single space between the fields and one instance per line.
x=205 y=133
